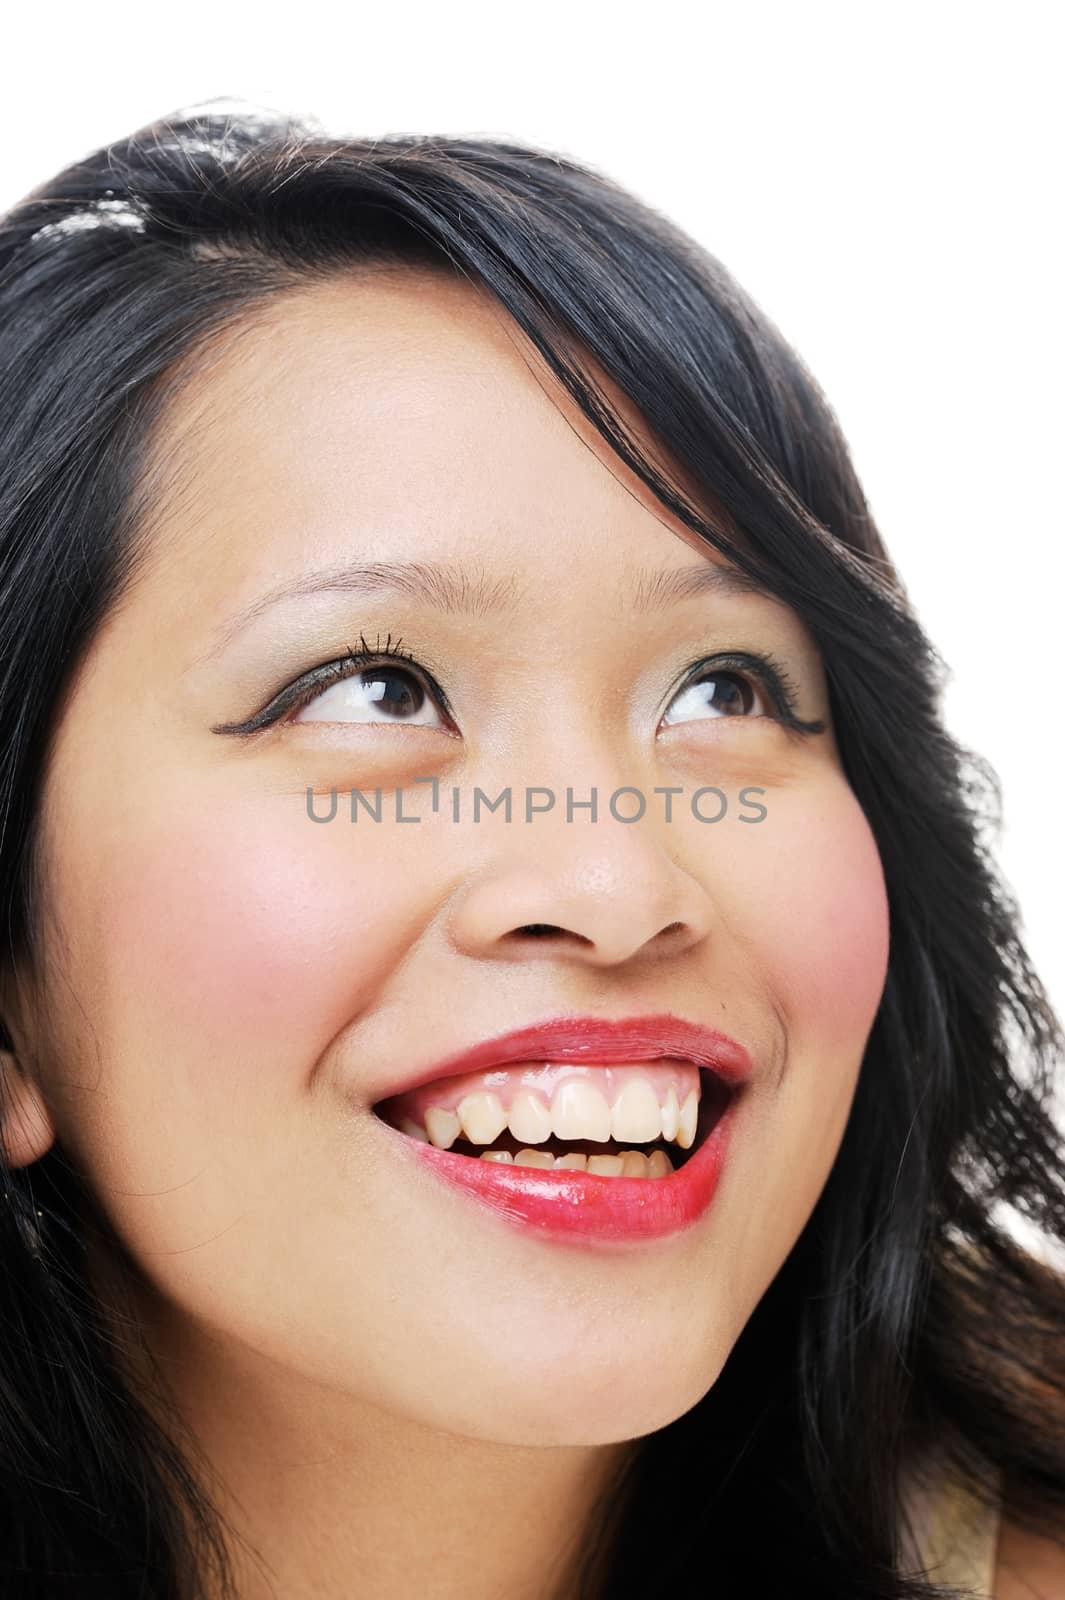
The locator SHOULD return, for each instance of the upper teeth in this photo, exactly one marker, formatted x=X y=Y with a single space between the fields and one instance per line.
x=577 y=1110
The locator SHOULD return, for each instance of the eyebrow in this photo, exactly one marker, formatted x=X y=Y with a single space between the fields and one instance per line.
x=453 y=589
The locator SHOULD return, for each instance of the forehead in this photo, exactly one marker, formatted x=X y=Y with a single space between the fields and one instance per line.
x=399 y=406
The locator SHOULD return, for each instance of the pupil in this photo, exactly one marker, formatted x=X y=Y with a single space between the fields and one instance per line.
x=405 y=702
x=734 y=697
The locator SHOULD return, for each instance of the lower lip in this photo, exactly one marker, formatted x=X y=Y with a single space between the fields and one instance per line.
x=581 y=1206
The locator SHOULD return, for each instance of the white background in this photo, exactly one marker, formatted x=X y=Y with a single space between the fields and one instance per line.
x=884 y=180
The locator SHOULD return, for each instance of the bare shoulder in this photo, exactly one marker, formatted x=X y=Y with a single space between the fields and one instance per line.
x=1028 y=1566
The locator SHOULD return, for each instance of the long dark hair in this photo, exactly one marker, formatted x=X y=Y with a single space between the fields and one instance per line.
x=908 y=1309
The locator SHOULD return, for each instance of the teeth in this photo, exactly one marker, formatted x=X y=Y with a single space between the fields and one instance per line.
x=670 y=1114
x=580 y=1111
x=573 y=1159
x=530 y=1118
x=606 y=1166
x=442 y=1127
x=534 y=1158
x=689 y=1115
x=482 y=1117
x=627 y=1164
x=636 y=1115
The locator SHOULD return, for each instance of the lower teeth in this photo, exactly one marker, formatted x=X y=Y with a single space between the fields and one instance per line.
x=626 y=1164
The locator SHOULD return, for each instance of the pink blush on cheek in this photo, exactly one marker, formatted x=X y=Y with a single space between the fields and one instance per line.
x=825 y=935
x=234 y=939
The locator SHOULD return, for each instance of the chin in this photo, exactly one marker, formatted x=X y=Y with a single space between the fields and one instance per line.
x=584 y=1408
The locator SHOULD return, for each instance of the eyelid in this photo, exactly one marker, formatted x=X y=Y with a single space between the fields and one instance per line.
x=770 y=673
x=306 y=688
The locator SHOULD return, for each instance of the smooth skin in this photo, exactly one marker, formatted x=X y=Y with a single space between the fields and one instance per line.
x=388 y=1378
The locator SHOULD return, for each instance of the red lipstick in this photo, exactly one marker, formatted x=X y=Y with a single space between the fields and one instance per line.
x=598 y=1041
x=576 y=1206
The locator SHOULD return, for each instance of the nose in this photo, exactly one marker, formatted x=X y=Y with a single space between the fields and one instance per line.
x=598 y=894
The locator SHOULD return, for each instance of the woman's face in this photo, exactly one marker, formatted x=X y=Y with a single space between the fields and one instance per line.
x=239 y=985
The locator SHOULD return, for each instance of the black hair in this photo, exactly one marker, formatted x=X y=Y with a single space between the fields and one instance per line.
x=908 y=1309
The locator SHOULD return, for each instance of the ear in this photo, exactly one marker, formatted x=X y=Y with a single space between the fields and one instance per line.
x=26 y=1127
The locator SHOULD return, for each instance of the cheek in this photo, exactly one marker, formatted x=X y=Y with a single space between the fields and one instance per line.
x=817 y=915
x=807 y=906
x=246 y=938
x=232 y=945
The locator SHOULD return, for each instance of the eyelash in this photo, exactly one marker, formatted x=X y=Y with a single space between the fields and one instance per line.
x=770 y=673
x=305 y=689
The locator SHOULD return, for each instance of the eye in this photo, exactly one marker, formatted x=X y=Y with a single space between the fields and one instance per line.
x=351 y=691
x=386 y=687
x=718 y=694
x=740 y=686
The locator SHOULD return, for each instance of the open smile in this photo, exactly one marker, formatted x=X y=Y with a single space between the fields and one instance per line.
x=616 y=1132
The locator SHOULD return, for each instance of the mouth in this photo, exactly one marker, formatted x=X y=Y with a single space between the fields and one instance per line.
x=595 y=1133
x=658 y=1155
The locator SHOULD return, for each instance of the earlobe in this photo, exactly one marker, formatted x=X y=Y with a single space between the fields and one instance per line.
x=26 y=1127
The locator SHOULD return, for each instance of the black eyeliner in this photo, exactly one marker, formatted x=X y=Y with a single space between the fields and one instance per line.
x=313 y=682
x=770 y=672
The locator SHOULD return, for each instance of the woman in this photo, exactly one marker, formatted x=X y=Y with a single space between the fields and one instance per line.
x=473 y=1124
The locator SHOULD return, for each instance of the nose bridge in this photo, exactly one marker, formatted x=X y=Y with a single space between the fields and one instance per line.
x=586 y=859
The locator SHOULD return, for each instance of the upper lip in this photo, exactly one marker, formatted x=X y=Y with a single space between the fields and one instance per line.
x=597 y=1041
